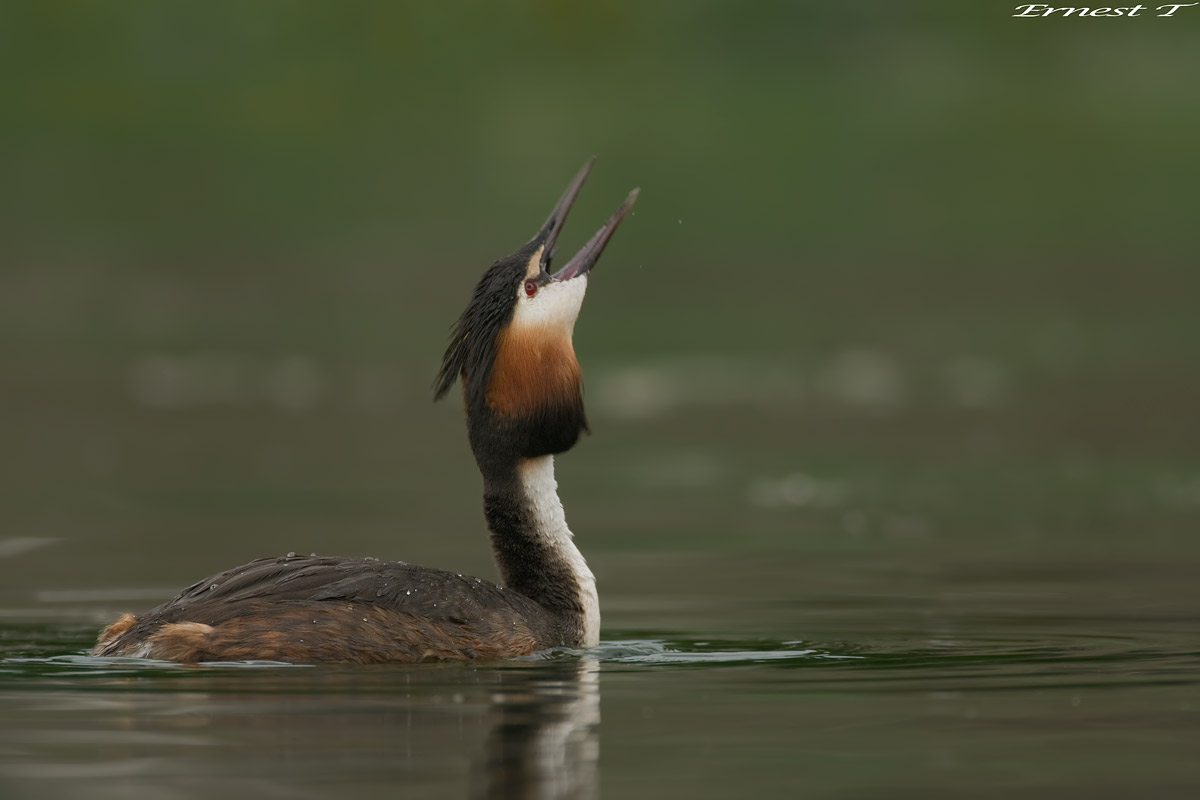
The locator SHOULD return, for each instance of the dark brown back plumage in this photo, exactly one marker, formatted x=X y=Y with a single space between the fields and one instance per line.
x=306 y=609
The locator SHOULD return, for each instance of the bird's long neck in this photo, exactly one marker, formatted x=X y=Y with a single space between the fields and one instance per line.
x=534 y=548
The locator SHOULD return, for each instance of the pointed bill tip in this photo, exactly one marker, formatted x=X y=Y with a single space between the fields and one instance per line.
x=589 y=254
x=548 y=233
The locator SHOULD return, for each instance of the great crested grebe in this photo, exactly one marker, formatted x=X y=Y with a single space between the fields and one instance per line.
x=523 y=395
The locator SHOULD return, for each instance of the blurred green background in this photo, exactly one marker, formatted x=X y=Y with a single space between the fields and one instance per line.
x=896 y=359
x=906 y=281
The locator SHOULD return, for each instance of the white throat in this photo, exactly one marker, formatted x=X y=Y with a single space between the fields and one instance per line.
x=555 y=307
x=550 y=524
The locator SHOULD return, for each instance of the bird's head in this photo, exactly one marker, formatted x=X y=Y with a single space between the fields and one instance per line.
x=512 y=345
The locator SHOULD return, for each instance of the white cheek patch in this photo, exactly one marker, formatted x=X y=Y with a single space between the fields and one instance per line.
x=555 y=306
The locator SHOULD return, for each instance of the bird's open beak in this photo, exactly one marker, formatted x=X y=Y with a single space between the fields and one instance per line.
x=589 y=254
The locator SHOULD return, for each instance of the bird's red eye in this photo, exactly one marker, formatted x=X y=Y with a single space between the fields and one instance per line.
x=530 y=288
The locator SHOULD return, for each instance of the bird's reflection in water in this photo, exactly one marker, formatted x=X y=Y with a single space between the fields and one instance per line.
x=544 y=741
x=523 y=729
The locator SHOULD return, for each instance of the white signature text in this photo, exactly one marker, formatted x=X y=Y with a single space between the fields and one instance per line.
x=1043 y=10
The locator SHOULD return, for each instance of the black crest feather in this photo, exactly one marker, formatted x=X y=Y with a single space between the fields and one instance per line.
x=472 y=348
